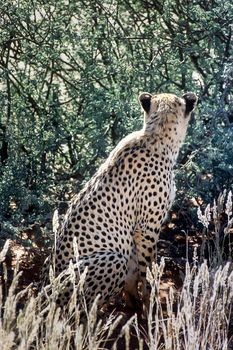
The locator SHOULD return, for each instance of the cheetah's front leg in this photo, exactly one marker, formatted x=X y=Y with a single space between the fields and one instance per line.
x=146 y=246
x=131 y=282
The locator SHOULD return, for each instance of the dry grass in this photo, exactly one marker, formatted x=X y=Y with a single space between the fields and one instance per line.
x=196 y=317
x=202 y=310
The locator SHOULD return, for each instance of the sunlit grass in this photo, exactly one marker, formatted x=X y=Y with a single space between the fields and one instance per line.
x=196 y=317
x=198 y=314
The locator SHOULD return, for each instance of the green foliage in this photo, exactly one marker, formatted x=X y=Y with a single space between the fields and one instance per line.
x=70 y=73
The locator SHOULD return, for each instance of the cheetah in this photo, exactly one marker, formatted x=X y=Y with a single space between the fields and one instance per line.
x=116 y=218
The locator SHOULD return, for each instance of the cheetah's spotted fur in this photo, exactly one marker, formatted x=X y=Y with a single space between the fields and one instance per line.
x=117 y=217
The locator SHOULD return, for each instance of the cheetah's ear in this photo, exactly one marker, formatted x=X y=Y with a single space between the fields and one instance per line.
x=145 y=100
x=191 y=101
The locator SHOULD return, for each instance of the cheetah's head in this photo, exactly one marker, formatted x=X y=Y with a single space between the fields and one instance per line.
x=167 y=114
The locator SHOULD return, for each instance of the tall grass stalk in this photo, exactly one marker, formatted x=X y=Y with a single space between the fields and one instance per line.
x=198 y=317
x=195 y=318
x=219 y=234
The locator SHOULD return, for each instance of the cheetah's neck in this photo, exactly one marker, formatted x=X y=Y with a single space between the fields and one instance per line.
x=165 y=147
